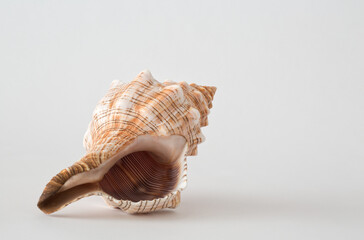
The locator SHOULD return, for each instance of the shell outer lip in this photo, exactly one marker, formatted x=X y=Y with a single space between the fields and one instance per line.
x=51 y=190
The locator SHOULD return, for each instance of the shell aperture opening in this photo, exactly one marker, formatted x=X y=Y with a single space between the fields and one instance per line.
x=140 y=176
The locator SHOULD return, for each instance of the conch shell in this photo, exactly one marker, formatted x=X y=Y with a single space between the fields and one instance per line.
x=136 y=144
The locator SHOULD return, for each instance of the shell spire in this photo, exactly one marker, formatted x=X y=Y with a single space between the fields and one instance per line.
x=161 y=119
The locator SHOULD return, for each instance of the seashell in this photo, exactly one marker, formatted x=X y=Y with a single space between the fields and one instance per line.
x=136 y=147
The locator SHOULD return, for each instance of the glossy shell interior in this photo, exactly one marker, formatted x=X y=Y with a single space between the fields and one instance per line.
x=148 y=169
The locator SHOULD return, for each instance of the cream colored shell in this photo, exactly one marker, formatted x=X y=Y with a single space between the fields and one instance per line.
x=143 y=107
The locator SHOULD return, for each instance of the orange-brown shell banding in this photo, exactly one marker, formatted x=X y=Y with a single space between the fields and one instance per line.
x=136 y=146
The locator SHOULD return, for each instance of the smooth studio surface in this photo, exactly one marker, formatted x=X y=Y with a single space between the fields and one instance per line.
x=284 y=150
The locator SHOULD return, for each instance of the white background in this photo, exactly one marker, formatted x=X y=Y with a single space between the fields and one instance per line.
x=284 y=155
